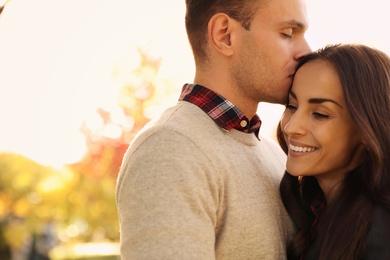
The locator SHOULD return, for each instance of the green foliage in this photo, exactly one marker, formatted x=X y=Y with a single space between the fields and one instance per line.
x=25 y=205
x=31 y=196
x=79 y=200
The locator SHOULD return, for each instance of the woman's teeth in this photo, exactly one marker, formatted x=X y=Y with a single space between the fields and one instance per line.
x=301 y=149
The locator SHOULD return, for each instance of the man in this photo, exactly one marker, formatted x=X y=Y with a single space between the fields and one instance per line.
x=199 y=182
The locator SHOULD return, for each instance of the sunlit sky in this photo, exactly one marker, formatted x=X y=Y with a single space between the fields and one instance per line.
x=57 y=58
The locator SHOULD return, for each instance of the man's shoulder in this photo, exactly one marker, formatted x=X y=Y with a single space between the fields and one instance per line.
x=183 y=119
x=182 y=110
x=272 y=147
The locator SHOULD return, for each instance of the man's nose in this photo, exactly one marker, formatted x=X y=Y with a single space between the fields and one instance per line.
x=303 y=49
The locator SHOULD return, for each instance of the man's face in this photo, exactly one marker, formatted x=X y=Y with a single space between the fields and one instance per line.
x=268 y=52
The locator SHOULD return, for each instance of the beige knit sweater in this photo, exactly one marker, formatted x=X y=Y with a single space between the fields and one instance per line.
x=189 y=190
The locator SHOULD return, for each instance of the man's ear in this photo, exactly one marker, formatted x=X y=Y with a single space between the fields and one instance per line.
x=220 y=30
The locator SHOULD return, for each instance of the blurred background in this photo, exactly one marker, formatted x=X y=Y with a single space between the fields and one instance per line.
x=78 y=79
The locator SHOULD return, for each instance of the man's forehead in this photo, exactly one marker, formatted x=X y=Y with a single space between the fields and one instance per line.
x=290 y=13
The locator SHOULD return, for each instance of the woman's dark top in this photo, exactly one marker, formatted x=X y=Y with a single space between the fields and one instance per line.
x=377 y=242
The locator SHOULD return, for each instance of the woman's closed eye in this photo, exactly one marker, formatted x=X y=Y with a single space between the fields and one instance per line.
x=320 y=115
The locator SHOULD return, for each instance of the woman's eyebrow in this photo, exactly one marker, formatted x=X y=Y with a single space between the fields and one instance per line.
x=317 y=100
x=322 y=100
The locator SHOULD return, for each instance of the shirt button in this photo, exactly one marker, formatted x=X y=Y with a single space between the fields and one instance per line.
x=243 y=123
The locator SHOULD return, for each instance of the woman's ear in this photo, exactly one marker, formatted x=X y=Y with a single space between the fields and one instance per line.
x=220 y=30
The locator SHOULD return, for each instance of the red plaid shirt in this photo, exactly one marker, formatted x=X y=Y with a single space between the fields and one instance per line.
x=223 y=112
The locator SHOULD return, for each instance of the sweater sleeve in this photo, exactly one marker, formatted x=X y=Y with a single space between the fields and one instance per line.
x=167 y=197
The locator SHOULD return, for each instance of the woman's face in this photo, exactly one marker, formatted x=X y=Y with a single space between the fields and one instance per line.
x=321 y=137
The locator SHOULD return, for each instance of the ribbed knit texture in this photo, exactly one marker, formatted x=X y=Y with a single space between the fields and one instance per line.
x=189 y=190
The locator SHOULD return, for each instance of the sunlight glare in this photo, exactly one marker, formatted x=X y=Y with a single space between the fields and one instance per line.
x=112 y=131
x=59 y=59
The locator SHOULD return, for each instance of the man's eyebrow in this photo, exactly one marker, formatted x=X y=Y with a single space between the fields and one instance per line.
x=295 y=23
x=317 y=100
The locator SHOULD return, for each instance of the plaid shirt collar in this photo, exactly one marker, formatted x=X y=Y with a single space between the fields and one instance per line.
x=223 y=112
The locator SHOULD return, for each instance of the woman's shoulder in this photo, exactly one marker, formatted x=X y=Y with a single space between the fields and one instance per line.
x=378 y=236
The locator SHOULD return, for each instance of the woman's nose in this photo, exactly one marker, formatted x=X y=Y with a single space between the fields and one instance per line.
x=293 y=125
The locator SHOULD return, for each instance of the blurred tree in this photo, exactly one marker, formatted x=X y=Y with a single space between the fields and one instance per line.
x=29 y=200
x=78 y=201
x=111 y=129
x=108 y=133
x=2 y=5
x=38 y=202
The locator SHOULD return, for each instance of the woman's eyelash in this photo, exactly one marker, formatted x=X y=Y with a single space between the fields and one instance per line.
x=320 y=116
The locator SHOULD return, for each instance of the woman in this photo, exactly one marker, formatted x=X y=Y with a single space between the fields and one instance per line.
x=336 y=132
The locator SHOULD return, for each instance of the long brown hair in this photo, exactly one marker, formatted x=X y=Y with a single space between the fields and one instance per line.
x=364 y=73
